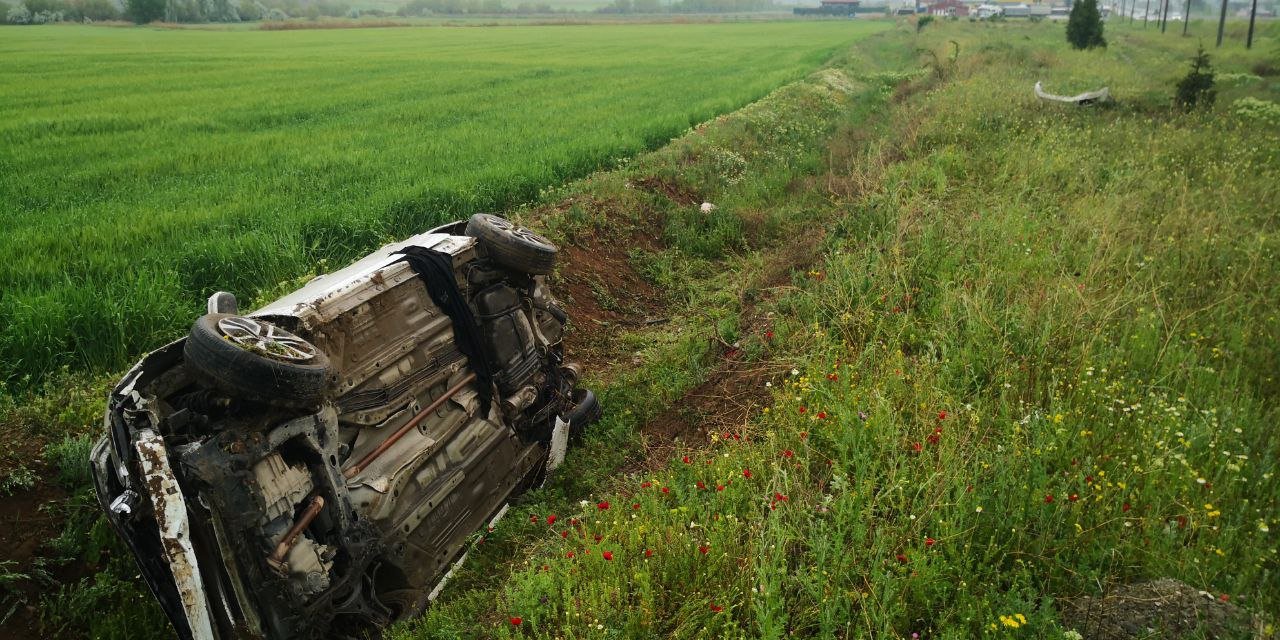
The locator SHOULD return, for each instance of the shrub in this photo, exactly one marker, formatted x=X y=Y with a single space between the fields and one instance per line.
x=1084 y=26
x=1196 y=88
x=1252 y=108
x=923 y=22
x=18 y=15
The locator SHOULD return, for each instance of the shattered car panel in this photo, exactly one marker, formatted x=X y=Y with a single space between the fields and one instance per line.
x=316 y=467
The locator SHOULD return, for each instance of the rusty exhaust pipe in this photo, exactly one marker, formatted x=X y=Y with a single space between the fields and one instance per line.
x=276 y=559
x=352 y=471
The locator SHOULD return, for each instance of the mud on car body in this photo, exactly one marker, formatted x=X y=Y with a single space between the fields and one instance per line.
x=316 y=467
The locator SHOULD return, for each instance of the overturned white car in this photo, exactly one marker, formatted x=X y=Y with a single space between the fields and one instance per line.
x=315 y=468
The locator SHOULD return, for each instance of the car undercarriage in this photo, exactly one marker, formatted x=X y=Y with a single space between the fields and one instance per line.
x=317 y=467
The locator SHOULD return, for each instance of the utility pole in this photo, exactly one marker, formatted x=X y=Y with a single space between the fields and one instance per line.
x=1222 y=22
x=1253 y=12
x=1186 y=18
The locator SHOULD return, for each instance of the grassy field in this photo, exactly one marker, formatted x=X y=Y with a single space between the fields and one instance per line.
x=982 y=356
x=1036 y=360
x=142 y=169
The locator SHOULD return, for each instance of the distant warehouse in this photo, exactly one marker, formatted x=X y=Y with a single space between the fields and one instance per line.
x=831 y=8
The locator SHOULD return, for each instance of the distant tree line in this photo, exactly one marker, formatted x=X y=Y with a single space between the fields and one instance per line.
x=686 y=6
x=459 y=7
x=144 y=11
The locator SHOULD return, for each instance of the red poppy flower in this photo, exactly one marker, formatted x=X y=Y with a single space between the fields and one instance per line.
x=942 y=415
x=778 y=497
x=833 y=377
x=701 y=485
x=1048 y=498
x=822 y=415
x=788 y=453
x=1088 y=479
x=1073 y=497
x=726 y=435
x=704 y=549
x=716 y=608
x=569 y=554
x=929 y=542
x=646 y=484
x=564 y=534
x=551 y=519
x=768 y=335
x=607 y=555
x=648 y=553
x=719 y=487
x=902 y=558
x=1125 y=507
x=534 y=518
x=1224 y=597
x=934 y=438
x=602 y=505
x=573 y=522
x=746 y=473
x=685 y=459
x=802 y=409
x=598 y=537
x=516 y=620
x=635 y=505
x=666 y=490
x=916 y=447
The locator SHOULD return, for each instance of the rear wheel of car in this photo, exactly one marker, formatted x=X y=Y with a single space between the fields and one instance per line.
x=252 y=359
x=512 y=246
x=586 y=410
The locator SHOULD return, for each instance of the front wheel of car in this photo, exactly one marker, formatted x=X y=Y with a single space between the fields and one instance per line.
x=512 y=246
x=251 y=359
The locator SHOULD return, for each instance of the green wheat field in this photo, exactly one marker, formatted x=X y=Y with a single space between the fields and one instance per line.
x=142 y=169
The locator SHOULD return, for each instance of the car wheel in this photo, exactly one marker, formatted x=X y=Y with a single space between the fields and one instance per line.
x=512 y=246
x=255 y=360
x=586 y=410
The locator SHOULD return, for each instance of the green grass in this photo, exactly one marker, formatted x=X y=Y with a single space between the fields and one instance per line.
x=1038 y=361
x=142 y=169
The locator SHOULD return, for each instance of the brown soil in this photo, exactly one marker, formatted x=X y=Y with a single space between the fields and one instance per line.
x=603 y=291
x=1165 y=608
x=24 y=529
x=725 y=402
x=673 y=191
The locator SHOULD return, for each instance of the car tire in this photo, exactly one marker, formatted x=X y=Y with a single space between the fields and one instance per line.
x=284 y=379
x=512 y=246
x=586 y=410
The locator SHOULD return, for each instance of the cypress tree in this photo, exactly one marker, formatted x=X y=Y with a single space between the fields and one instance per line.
x=1084 y=25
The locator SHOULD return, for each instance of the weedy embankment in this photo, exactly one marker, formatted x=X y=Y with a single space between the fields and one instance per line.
x=1036 y=360
x=658 y=295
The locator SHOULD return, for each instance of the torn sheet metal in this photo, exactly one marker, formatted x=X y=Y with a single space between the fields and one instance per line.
x=1086 y=98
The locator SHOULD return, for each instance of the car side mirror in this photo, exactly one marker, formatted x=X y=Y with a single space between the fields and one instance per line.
x=223 y=302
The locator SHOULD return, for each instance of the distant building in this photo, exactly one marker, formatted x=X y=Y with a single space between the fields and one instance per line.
x=949 y=9
x=830 y=8
x=1019 y=10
